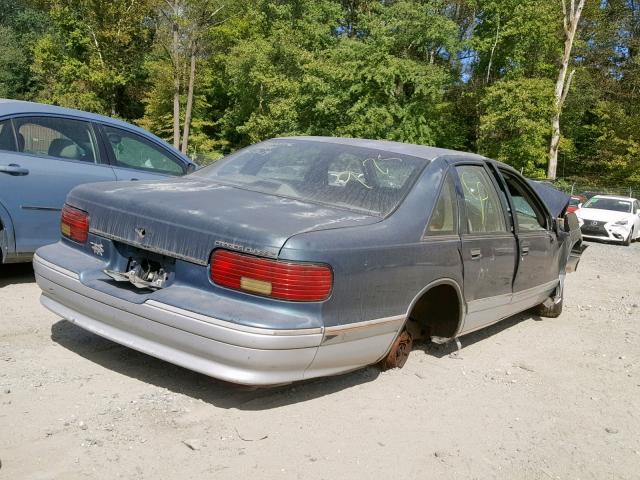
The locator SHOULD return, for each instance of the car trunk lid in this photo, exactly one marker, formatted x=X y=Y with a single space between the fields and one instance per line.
x=187 y=218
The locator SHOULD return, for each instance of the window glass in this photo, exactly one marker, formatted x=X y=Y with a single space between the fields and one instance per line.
x=133 y=151
x=528 y=215
x=284 y=165
x=56 y=137
x=484 y=213
x=390 y=172
x=347 y=176
x=346 y=168
x=604 y=203
x=6 y=136
x=444 y=217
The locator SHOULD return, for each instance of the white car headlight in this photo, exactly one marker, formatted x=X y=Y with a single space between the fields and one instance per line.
x=621 y=222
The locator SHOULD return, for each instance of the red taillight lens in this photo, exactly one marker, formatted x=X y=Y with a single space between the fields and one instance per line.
x=293 y=281
x=74 y=224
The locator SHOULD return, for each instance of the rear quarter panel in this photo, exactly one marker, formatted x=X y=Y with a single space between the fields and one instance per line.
x=380 y=269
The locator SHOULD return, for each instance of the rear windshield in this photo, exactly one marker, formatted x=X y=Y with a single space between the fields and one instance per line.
x=362 y=179
x=574 y=201
x=609 y=204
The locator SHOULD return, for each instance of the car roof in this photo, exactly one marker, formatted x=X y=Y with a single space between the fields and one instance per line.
x=615 y=197
x=19 y=107
x=420 y=151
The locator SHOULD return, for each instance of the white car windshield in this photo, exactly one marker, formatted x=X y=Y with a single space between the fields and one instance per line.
x=609 y=204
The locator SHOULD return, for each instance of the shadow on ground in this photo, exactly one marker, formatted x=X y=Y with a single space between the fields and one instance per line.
x=162 y=374
x=450 y=348
x=15 y=273
x=225 y=395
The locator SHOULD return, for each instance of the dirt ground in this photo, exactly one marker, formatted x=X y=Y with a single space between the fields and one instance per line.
x=526 y=399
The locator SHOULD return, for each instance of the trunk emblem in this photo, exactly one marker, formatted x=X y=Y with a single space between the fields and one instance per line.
x=98 y=248
x=140 y=232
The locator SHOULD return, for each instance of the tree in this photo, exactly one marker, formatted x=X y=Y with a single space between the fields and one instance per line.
x=92 y=55
x=514 y=123
x=571 y=19
x=21 y=26
x=182 y=28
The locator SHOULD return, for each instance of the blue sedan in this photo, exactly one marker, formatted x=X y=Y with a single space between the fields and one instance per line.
x=303 y=257
x=45 y=151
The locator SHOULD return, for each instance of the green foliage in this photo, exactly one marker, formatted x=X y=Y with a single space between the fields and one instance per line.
x=514 y=126
x=464 y=74
x=93 y=54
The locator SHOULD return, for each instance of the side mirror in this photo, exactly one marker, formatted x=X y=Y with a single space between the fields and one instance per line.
x=191 y=167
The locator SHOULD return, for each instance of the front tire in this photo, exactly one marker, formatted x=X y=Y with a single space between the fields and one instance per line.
x=553 y=311
x=629 y=239
x=552 y=306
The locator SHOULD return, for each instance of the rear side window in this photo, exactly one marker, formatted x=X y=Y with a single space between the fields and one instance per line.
x=7 y=141
x=444 y=219
x=56 y=137
x=528 y=214
x=133 y=151
x=482 y=206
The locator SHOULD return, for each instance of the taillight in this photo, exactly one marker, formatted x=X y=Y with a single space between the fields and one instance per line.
x=74 y=224
x=284 y=280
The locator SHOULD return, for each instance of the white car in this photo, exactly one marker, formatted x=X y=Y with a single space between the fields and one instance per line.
x=610 y=218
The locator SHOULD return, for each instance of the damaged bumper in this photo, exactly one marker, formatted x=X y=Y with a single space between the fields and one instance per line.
x=207 y=345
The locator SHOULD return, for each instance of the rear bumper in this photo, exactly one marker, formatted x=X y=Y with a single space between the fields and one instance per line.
x=220 y=349
x=243 y=355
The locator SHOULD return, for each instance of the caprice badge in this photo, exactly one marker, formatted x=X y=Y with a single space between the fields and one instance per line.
x=272 y=253
x=98 y=248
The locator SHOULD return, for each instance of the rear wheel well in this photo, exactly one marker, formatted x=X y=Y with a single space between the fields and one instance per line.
x=436 y=313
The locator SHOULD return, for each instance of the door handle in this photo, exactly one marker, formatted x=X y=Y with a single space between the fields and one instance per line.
x=14 y=169
x=476 y=254
x=525 y=250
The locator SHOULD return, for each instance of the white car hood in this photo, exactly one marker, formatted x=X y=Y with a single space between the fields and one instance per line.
x=602 y=215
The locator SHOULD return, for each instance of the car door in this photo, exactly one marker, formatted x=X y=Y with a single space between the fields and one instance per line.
x=51 y=156
x=538 y=263
x=488 y=248
x=134 y=157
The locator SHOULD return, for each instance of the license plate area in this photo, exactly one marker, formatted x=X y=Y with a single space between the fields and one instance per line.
x=142 y=269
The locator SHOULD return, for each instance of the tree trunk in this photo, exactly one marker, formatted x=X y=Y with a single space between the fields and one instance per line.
x=570 y=21
x=189 y=109
x=176 y=79
x=493 y=50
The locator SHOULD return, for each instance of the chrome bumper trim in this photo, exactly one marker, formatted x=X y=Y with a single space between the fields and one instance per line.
x=221 y=349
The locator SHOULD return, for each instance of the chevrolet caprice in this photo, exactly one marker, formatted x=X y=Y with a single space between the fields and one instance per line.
x=304 y=257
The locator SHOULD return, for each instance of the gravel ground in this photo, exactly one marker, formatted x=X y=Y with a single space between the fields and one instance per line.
x=525 y=399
